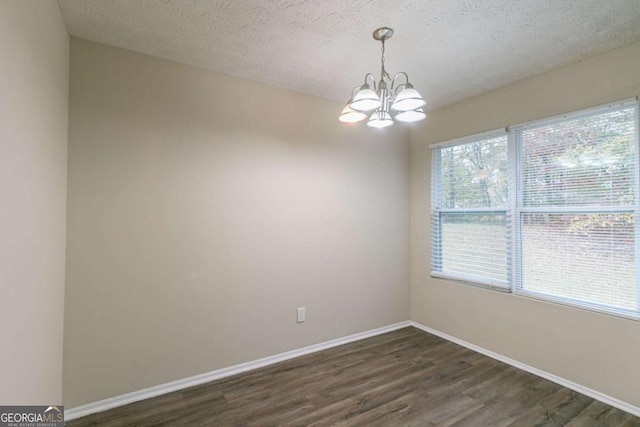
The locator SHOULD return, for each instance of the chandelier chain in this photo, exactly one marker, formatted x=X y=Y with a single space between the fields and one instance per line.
x=383 y=73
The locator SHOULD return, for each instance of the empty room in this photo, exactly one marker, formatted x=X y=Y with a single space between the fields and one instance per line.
x=308 y=213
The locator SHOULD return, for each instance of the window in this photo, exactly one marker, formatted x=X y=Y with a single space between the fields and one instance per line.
x=547 y=210
x=471 y=237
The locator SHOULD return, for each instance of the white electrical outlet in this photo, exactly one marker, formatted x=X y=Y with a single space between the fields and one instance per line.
x=301 y=315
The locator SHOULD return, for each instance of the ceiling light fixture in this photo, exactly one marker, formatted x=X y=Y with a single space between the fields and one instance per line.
x=377 y=104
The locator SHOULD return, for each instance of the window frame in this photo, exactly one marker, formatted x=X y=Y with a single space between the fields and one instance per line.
x=515 y=210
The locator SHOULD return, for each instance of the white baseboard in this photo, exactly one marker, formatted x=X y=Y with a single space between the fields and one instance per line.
x=113 y=402
x=612 y=401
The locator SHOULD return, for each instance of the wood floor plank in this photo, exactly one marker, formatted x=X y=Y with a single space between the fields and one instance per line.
x=601 y=414
x=403 y=378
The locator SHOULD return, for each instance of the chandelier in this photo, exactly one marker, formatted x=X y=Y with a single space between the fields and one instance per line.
x=386 y=102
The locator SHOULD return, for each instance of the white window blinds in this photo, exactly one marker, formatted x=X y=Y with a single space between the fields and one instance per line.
x=577 y=206
x=471 y=228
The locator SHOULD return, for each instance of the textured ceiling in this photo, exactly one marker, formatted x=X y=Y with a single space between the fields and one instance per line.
x=451 y=49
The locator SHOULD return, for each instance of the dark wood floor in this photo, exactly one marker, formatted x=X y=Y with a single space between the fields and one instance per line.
x=402 y=378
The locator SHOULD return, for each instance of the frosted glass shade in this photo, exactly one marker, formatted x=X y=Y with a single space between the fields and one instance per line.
x=408 y=99
x=351 y=116
x=380 y=120
x=365 y=100
x=410 y=116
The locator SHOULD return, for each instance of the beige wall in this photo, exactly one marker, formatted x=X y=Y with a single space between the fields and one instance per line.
x=203 y=209
x=34 y=68
x=597 y=351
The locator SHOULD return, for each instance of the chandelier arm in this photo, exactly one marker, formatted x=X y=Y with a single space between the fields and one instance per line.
x=373 y=79
x=403 y=85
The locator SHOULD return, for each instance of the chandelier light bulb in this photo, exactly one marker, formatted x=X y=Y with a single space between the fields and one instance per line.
x=408 y=99
x=410 y=116
x=351 y=116
x=379 y=120
x=365 y=100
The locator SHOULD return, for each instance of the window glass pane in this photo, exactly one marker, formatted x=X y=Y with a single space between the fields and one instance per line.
x=475 y=245
x=588 y=161
x=474 y=175
x=581 y=257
